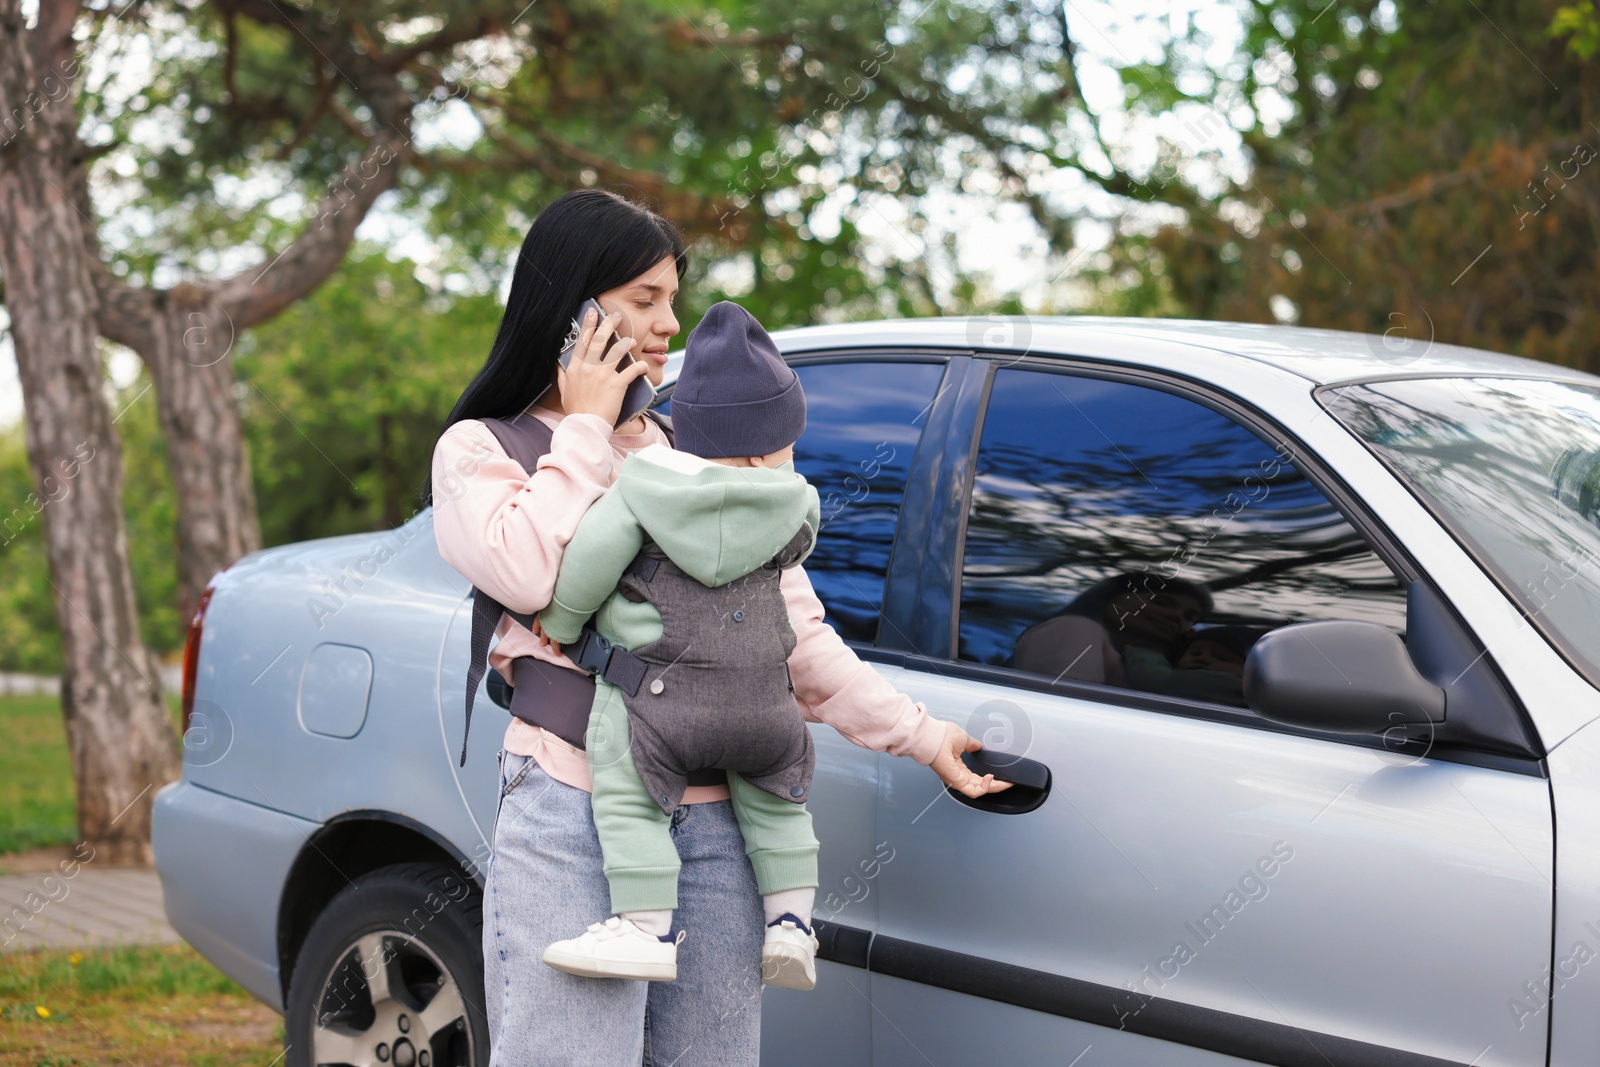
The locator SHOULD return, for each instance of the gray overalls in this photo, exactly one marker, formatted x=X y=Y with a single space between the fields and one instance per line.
x=715 y=690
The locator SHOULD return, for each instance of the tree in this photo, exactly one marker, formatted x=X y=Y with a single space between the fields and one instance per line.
x=1421 y=171
x=29 y=639
x=117 y=730
x=185 y=333
x=121 y=742
x=368 y=361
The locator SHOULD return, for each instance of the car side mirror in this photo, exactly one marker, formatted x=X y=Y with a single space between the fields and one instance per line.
x=1338 y=675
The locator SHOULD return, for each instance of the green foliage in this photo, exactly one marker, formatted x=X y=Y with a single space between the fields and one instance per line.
x=29 y=633
x=28 y=636
x=767 y=131
x=1415 y=166
x=344 y=395
x=1579 y=24
x=150 y=511
x=1134 y=278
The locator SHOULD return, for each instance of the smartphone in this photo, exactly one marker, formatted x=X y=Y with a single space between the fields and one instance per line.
x=641 y=394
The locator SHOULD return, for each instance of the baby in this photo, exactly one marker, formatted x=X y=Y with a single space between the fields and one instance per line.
x=679 y=563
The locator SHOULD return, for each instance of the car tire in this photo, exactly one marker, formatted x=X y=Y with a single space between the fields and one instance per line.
x=391 y=973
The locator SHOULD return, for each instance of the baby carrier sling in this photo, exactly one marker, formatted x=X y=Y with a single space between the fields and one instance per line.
x=548 y=696
x=716 y=691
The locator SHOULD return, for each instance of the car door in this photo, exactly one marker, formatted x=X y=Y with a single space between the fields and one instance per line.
x=1196 y=885
x=864 y=420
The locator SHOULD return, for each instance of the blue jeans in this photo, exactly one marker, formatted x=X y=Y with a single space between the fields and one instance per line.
x=546 y=882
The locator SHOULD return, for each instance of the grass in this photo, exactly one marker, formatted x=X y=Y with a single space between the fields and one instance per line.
x=135 y=1005
x=38 y=805
x=156 y=1005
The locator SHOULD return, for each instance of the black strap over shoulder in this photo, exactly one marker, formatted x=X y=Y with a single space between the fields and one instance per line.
x=664 y=421
x=525 y=439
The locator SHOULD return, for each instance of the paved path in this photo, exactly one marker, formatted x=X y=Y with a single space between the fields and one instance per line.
x=44 y=908
x=34 y=684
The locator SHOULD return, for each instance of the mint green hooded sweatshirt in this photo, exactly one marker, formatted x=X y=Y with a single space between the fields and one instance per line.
x=717 y=522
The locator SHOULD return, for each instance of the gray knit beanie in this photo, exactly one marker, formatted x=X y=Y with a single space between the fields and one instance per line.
x=736 y=396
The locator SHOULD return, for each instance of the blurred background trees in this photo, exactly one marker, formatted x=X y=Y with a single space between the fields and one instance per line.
x=1420 y=171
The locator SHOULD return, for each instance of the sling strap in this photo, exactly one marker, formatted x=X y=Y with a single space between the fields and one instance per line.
x=526 y=439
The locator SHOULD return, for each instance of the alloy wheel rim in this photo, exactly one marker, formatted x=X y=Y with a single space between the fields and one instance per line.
x=389 y=1001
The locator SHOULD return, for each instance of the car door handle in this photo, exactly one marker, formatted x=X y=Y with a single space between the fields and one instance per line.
x=1030 y=778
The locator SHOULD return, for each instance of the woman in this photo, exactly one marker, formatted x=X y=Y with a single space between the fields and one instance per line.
x=504 y=528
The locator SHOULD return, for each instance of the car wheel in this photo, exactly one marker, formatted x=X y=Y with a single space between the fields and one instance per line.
x=391 y=975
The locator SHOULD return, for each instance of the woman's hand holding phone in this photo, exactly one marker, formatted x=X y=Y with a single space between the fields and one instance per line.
x=591 y=384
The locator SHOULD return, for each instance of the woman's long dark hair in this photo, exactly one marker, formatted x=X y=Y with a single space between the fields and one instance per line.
x=583 y=244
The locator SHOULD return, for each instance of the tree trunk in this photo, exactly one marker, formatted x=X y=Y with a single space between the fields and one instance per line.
x=121 y=739
x=185 y=337
x=191 y=364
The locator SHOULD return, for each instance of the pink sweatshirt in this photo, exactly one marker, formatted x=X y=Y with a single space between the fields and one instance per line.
x=505 y=532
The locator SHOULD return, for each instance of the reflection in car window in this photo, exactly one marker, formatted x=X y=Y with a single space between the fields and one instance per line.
x=1514 y=466
x=863 y=421
x=1128 y=536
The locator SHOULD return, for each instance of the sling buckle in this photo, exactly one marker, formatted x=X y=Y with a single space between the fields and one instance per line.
x=597 y=655
x=592 y=652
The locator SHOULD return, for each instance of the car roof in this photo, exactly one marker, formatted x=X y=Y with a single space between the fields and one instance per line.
x=1320 y=356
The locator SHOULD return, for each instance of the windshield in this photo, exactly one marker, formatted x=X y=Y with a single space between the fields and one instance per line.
x=1513 y=468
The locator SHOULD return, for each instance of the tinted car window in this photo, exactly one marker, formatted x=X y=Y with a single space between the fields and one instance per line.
x=863 y=421
x=1129 y=536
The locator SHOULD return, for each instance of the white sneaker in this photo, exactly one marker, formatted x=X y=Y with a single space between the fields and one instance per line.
x=617 y=948
x=789 y=955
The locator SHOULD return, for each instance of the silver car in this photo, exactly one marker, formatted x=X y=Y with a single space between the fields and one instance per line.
x=1289 y=637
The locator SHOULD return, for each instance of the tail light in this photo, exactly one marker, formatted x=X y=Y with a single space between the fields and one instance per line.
x=191 y=653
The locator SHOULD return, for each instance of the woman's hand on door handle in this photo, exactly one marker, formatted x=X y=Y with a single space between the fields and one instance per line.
x=956 y=774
